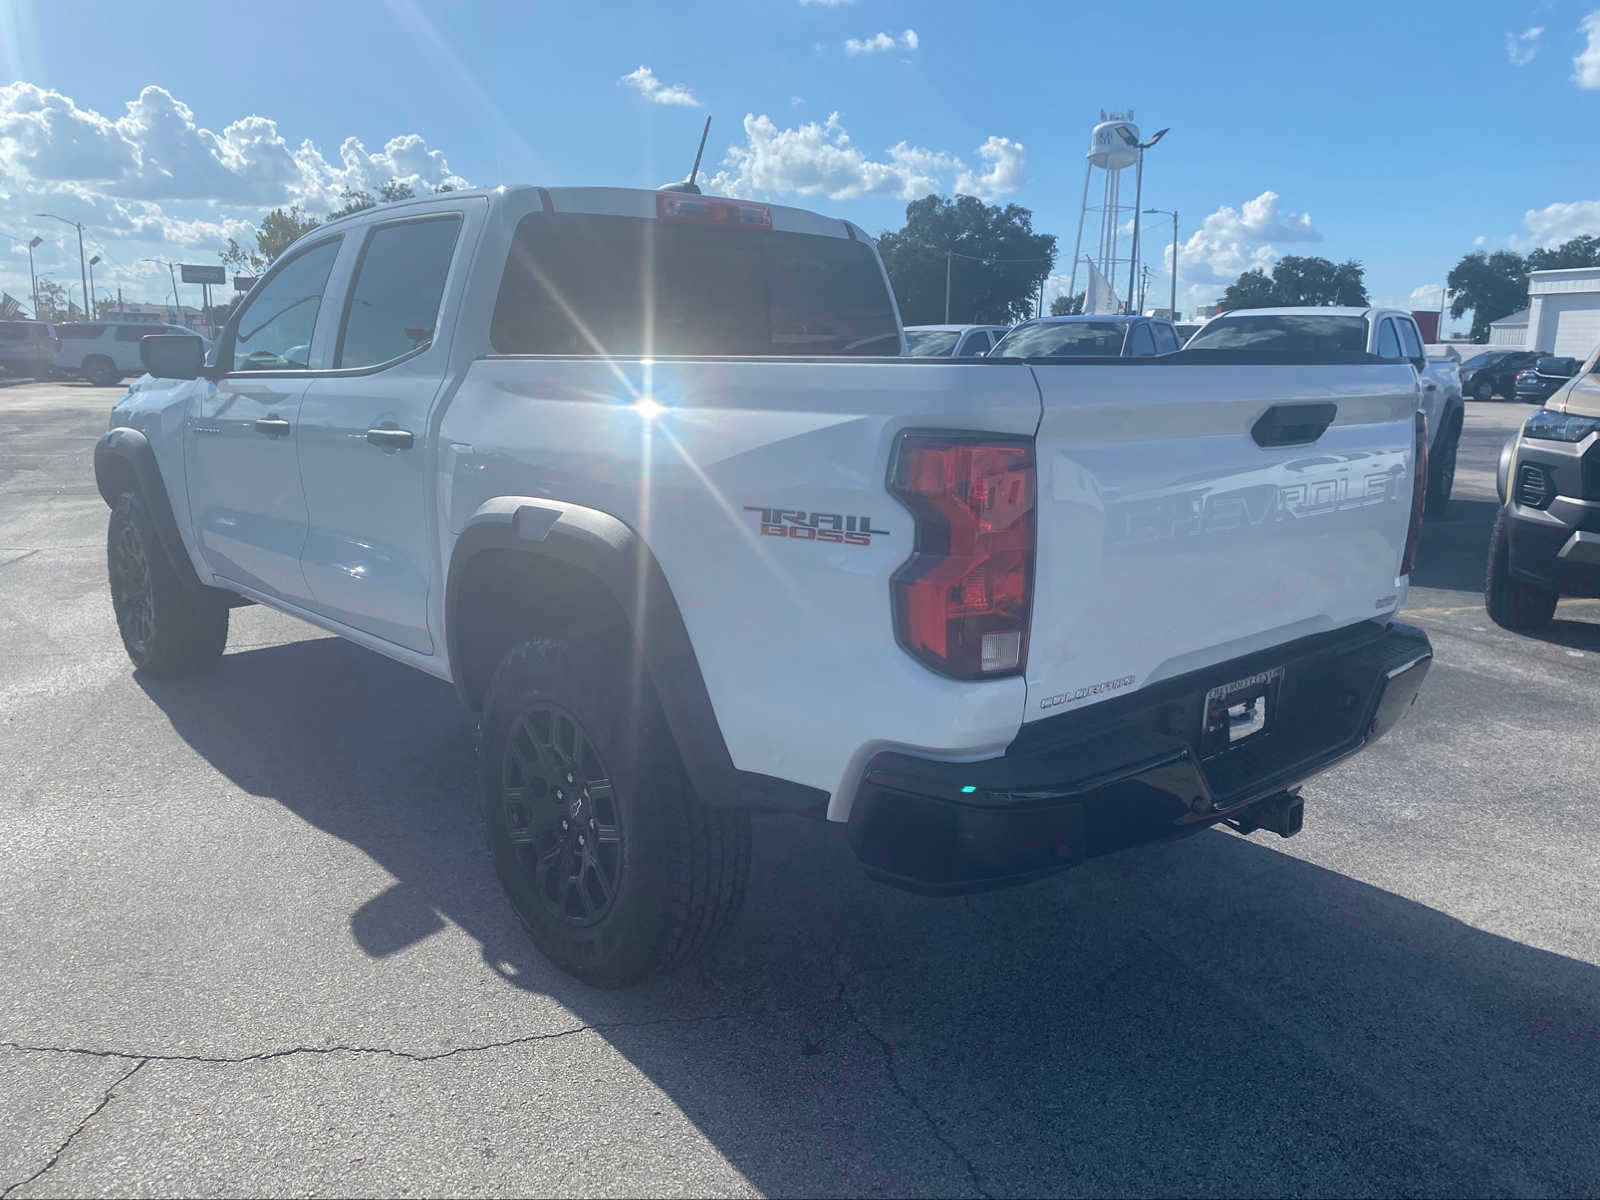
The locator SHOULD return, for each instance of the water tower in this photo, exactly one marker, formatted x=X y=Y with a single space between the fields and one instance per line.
x=1113 y=148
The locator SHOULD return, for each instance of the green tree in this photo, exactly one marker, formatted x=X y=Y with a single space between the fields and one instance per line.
x=1582 y=251
x=357 y=201
x=277 y=232
x=1300 y=283
x=52 y=300
x=1066 y=306
x=996 y=262
x=1251 y=290
x=1491 y=285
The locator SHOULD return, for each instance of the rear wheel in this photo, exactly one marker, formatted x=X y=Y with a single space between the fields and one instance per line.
x=612 y=863
x=1513 y=604
x=1442 y=471
x=100 y=370
x=169 y=627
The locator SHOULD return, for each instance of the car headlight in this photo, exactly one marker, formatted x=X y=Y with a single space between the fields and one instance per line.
x=1559 y=427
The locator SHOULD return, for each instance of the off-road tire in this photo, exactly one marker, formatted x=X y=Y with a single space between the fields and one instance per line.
x=679 y=868
x=170 y=626
x=1513 y=604
x=100 y=370
x=1442 y=472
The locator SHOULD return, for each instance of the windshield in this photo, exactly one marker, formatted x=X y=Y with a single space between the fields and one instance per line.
x=1300 y=334
x=1075 y=339
x=930 y=343
x=579 y=283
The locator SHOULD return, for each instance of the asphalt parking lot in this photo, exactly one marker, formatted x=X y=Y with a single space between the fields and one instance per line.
x=252 y=944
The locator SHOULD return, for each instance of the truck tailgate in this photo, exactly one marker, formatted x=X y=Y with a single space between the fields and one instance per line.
x=1169 y=539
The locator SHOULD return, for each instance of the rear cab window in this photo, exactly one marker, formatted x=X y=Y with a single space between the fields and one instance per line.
x=590 y=284
x=1069 y=339
x=1289 y=334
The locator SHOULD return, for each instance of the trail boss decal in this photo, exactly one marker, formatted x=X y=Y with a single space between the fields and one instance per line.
x=803 y=526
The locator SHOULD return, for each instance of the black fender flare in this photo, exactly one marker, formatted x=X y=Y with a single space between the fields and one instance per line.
x=608 y=549
x=129 y=448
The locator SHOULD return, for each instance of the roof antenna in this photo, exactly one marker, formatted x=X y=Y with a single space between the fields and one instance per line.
x=689 y=185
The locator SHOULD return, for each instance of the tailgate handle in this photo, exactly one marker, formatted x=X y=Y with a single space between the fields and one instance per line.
x=1293 y=424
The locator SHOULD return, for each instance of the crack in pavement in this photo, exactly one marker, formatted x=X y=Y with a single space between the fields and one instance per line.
x=82 y=1125
x=886 y=1047
x=600 y=1027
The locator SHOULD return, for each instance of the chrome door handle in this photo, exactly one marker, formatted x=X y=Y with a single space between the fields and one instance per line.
x=273 y=426
x=391 y=439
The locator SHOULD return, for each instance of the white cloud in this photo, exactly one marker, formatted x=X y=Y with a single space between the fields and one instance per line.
x=1521 y=48
x=1233 y=240
x=819 y=159
x=644 y=81
x=797 y=101
x=152 y=180
x=882 y=43
x=1008 y=169
x=1586 y=64
x=1556 y=223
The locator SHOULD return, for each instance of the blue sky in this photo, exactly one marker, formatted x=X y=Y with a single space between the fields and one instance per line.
x=1399 y=135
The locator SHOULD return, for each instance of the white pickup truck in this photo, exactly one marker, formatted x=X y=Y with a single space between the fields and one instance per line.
x=642 y=475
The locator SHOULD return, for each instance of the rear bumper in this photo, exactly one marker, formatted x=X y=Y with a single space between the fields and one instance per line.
x=1131 y=770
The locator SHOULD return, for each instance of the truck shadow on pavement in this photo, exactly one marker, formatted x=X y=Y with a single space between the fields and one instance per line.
x=1205 y=1017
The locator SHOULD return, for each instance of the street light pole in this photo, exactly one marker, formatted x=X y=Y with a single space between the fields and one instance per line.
x=1173 y=213
x=33 y=280
x=83 y=269
x=1138 y=197
x=167 y=263
x=91 y=304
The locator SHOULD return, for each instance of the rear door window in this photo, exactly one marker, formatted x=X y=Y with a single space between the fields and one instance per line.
x=976 y=345
x=1166 y=339
x=1410 y=340
x=399 y=285
x=132 y=333
x=1141 y=344
x=1388 y=341
x=79 y=332
x=578 y=283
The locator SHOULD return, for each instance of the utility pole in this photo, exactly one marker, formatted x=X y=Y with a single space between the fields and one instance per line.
x=171 y=272
x=83 y=269
x=949 y=257
x=1173 y=213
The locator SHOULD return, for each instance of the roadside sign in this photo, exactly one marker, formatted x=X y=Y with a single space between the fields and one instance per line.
x=243 y=283
x=194 y=274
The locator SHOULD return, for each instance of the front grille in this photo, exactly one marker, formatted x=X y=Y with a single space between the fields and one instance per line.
x=1533 y=487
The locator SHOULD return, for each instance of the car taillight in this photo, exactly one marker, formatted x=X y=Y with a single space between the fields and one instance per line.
x=1419 y=493
x=711 y=210
x=962 y=600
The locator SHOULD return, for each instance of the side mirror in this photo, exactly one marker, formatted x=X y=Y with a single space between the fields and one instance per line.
x=172 y=355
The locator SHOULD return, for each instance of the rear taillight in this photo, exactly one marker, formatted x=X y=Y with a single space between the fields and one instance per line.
x=1419 y=493
x=962 y=600
x=712 y=210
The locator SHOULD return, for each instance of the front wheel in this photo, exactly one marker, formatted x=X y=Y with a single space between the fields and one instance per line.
x=169 y=627
x=1513 y=604
x=1483 y=390
x=611 y=862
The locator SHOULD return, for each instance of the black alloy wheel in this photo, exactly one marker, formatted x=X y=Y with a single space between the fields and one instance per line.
x=132 y=589
x=561 y=815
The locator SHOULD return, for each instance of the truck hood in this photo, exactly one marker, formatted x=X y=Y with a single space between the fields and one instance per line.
x=1579 y=396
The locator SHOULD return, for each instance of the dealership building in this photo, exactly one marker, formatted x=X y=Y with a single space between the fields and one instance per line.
x=1562 y=317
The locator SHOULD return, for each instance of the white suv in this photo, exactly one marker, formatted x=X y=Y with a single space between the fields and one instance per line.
x=104 y=351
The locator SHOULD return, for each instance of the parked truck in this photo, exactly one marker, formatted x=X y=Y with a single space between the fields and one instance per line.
x=645 y=477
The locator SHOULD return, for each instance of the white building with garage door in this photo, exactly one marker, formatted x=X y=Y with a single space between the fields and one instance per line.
x=1564 y=311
